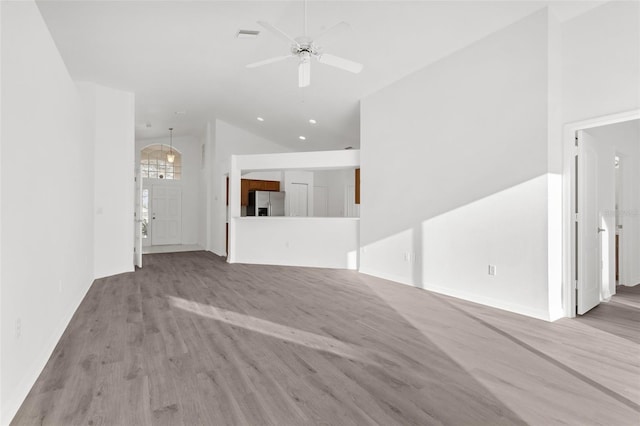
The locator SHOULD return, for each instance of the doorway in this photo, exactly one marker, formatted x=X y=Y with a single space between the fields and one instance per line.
x=166 y=215
x=299 y=199
x=603 y=230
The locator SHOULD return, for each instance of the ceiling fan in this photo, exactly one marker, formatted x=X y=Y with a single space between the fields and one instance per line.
x=304 y=48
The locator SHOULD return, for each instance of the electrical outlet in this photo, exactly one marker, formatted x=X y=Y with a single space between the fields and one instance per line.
x=492 y=269
x=18 y=328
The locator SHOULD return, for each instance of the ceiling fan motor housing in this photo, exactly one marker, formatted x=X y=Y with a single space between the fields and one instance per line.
x=304 y=45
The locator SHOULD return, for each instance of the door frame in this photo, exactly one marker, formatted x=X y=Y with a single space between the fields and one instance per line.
x=146 y=242
x=569 y=247
x=618 y=197
x=137 y=220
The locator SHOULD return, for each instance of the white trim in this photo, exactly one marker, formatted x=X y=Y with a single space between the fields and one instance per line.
x=568 y=234
x=159 y=143
x=20 y=392
x=463 y=295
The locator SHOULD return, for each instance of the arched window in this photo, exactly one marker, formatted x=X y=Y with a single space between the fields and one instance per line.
x=154 y=163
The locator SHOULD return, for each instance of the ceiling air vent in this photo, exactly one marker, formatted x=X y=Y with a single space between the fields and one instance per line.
x=247 y=34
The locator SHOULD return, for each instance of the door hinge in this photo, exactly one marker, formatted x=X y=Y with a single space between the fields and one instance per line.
x=576 y=140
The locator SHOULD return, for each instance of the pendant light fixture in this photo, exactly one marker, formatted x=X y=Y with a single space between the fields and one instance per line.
x=171 y=156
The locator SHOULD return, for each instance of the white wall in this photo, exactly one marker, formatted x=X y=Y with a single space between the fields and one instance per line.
x=230 y=140
x=2 y=416
x=322 y=242
x=601 y=61
x=298 y=241
x=190 y=149
x=46 y=198
x=454 y=173
x=2 y=318
x=624 y=139
x=114 y=172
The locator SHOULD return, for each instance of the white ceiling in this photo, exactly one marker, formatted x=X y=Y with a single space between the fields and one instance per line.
x=184 y=56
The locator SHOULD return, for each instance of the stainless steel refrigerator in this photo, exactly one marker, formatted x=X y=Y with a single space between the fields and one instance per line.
x=265 y=203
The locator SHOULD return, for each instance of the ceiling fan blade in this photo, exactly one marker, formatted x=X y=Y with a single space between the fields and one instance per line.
x=277 y=31
x=268 y=61
x=338 y=62
x=332 y=35
x=304 y=73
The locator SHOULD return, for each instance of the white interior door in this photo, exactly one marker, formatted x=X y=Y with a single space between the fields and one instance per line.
x=299 y=199
x=166 y=217
x=320 y=201
x=607 y=217
x=137 y=223
x=589 y=257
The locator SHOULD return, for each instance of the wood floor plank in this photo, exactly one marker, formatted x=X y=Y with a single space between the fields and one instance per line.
x=192 y=340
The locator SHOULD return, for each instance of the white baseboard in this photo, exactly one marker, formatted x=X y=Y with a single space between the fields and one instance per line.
x=19 y=394
x=475 y=298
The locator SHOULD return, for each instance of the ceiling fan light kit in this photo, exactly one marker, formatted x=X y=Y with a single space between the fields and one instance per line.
x=304 y=70
x=304 y=48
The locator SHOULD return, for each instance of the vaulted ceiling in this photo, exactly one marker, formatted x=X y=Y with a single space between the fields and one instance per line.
x=183 y=56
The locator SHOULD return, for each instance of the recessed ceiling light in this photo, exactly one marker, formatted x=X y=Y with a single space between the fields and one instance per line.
x=260 y=119
x=302 y=138
x=312 y=121
x=247 y=34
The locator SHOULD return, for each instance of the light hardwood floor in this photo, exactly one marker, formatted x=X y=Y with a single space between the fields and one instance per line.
x=192 y=340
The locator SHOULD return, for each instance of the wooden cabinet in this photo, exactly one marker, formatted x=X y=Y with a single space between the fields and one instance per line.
x=357 y=186
x=271 y=185
x=247 y=185
x=244 y=192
